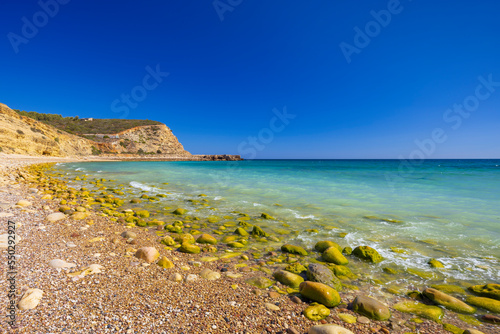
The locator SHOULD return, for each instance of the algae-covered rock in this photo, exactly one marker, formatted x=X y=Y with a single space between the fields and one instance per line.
x=342 y=272
x=184 y=238
x=319 y=273
x=316 y=312
x=266 y=216
x=435 y=263
x=288 y=278
x=295 y=268
x=321 y=246
x=235 y=244
x=241 y=231
x=206 y=239
x=167 y=241
x=367 y=253
x=489 y=304
x=434 y=313
x=79 y=215
x=142 y=213
x=320 y=293
x=371 y=308
x=333 y=255
x=486 y=290
x=260 y=282
x=453 y=329
x=390 y=271
x=448 y=301
x=447 y=288
x=165 y=263
x=347 y=250
x=292 y=249
x=179 y=211
x=189 y=248
x=259 y=232
x=346 y=317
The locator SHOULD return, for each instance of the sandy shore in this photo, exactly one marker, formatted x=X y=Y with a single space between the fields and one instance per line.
x=130 y=295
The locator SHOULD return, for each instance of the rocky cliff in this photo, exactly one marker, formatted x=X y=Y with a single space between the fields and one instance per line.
x=24 y=135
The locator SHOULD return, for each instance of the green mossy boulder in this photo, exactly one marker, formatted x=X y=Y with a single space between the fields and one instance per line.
x=189 y=248
x=371 y=308
x=320 y=293
x=489 y=304
x=322 y=246
x=452 y=329
x=448 y=301
x=347 y=250
x=367 y=253
x=260 y=282
x=434 y=313
x=266 y=216
x=179 y=211
x=142 y=213
x=241 y=231
x=206 y=239
x=342 y=272
x=235 y=244
x=165 y=263
x=295 y=268
x=435 y=263
x=288 y=278
x=184 y=238
x=292 y=249
x=333 y=255
x=316 y=312
x=447 y=288
x=486 y=290
x=259 y=232
x=168 y=241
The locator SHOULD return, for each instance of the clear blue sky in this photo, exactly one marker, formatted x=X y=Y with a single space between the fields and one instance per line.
x=226 y=76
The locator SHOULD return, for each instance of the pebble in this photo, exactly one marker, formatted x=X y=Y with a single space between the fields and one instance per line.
x=148 y=254
x=70 y=244
x=30 y=299
x=209 y=274
x=272 y=307
x=6 y=214
x=363 y=320
x=176 y=277
x=23 y=203
x=191 y=278
x=53 y=217
x=328 y=329
x=296 y=300
x=58 y=263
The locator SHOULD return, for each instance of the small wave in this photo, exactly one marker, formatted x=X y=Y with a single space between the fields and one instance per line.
x=218 y=198
x=141 y=186
x=99 y=171
x=257 y=204
x=80 y=169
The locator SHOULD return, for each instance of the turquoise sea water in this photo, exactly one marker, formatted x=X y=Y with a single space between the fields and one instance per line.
x=443 y=209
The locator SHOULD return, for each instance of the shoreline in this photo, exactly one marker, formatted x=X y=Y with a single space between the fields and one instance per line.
x=116 y=291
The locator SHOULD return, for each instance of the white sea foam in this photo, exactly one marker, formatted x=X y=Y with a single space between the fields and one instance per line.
x=218 y=198
x=141 y=186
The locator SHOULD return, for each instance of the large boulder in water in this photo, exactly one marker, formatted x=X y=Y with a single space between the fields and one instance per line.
x=319 y=273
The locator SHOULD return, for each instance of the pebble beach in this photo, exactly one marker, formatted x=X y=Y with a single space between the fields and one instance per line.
x=79 y=271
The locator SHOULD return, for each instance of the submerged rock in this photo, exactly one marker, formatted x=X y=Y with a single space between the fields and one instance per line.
x=259 y=232
x=295 y=268
x=486 y=290
x=489 y=304
x=434 y=313
x=179 y=211
x=448 y=301
x=371 y=308
x=320 y=293
x=333 y=255
x=321 y=246
x=260 y=282
x=435 y=263
x=319 y=273
x=367 y=253
x=287 y=248
x=189 y=248
x=316 y=312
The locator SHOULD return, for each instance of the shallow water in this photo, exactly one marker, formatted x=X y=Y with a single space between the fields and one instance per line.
x=446 y=209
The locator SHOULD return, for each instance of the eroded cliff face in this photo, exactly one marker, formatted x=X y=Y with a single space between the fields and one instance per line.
x=153 y=139
x=24 y=135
